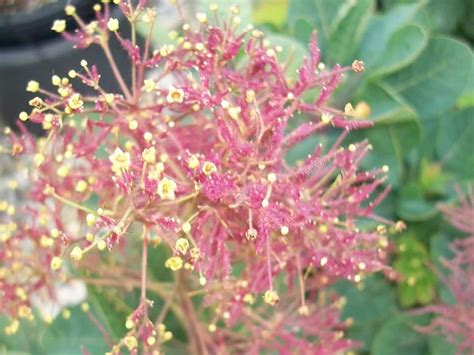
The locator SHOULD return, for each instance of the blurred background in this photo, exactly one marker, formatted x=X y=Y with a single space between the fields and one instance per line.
x=418 y=88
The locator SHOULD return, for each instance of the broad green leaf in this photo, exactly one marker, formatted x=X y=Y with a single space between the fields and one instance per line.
x=436 y=79
x=381 y=28
x=384 y=108
x=25 y=341
x=340 y=25
x=439 y=346
x=270 y=11
x=411 y=204
x=403 y=47
x=440 y=249
x=367 y=320
x=455 y=143
x=392 y=143
x=344 y=41
x=395 y=134
x=302 y=31
x=467 y=98
x=445 y=15
x=73 y=336
x=398 y=337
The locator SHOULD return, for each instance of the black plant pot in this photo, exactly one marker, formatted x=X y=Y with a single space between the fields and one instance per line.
x=30 y=50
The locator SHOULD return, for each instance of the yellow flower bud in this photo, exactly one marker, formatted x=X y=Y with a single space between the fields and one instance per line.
x=76 y=254
x=113 y=24
x=59 y=26
x=56 y=263
x=174 y=263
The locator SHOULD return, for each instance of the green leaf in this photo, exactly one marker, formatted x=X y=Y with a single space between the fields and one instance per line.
x=435 y=80
x=270 y=11
x=392 y=143
x=384 y=108
x=340 y=25
x=398 y=337
x=403 y=47
x=72 y=336
x=344 y=41
x=419 y=283
x=439 y=346
x=381 y=28
x=25 y=341
x=445 y=15
x=411 y=204
x=455 y=143
x=367 y=320
x=440 y=249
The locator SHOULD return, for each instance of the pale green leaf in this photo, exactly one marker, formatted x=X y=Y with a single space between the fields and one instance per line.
x=436 y=79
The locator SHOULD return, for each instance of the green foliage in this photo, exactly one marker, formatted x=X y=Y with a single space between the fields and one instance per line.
x=419 y=282
x=397 y=336
x=419 y=85
x=420 y=88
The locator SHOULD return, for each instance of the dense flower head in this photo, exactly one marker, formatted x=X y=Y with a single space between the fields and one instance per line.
x=192 y=155
x=456 y=321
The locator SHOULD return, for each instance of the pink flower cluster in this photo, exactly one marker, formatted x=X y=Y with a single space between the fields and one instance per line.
x=456 y=321
x=192 y=156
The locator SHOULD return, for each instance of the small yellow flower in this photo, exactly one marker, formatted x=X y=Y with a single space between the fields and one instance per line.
x=358 y=66
x=23 y=116
x=249 y=298
x=249 y=96
x=38 y=159
x=101 y=245
x=174 y=263
x=75 y=102
x=201 y=17
x=166 y=189
x=149 y=85
x=32 y=86
x=76 y=254
x=349 y=109
x=113 y=24
x=271 y=177
x=271 y=297
x=149 y=155
x=182 y=245
x=186 y=227
x=175 y=95
x=166 y=49
x=81 y=186
x=24 y=311
x=70 y=10
x=59 y=26
x=193 y=162
x=234 y=112
x=56 y=263
x=63 y=171
x=91 y=220
x=326 y=118
x=208 y=168
x=130 y=342
x=235 y=10
x=362 y=110
x=120 y=160
x=284 y=230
